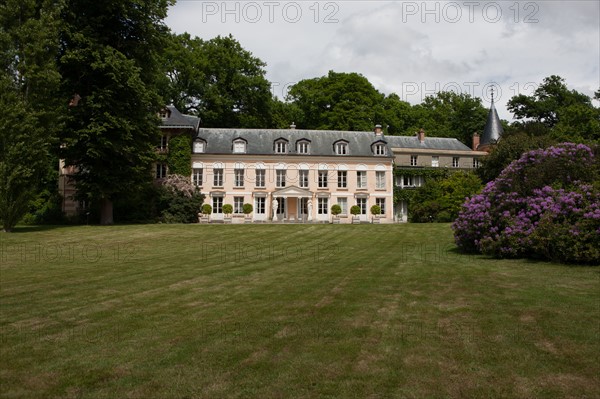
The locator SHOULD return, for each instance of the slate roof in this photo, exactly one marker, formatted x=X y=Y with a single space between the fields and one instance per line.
x=178 y=120
x=430 y=143
x=261 y=141
x=493 y=128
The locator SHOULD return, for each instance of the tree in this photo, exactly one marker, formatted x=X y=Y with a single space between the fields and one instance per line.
x=568 y=114
x=217 y=80
x=28 y=85
x=448 y=114
x=338 y=101
x=109 y=60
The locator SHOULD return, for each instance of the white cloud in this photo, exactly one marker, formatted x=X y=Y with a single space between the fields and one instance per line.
x=406 y=46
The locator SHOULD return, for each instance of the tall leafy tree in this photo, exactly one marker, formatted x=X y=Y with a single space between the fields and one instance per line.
x=567 y=114
x=28 y=86
x=217 y=80
x=341 y=101
x=110 y=65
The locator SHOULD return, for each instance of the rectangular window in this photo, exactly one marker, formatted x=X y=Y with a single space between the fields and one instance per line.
x=303 y=177
x=217 y=204
x=198 y=146
x=239 y=147
x=322 y=179
x=341 y=148
x=381 y=203
x=260 y=177
x=197 y=177
x=161 y=170
x=380 y=180
x=408 y=181
x=475 y=163
x=218 y=177
x=343 y=203
x=164 y=142
x=455 y=162
x=362 y=204
x=303 y=206
x=239 y=177
x=302 y=147
x=435 y=161
x=361 y=179
x=281 y=206
x=280 y=182
x=322 y=206
x=260 y=205
x=342 y=179
x=280 y=147
x=238 y=204
x=379 y=149
x=413 y=160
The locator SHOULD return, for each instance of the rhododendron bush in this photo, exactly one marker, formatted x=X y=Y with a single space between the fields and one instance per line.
x=544 y=205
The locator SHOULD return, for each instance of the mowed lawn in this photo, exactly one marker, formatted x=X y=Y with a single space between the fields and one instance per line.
x=288 y=311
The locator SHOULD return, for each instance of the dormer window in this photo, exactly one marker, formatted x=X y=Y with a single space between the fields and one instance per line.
x=239 y=146
x=280 y=146
x=199 y=146
x=379 y=149
x=164 y=113
x=302 y=146
x=341 y=148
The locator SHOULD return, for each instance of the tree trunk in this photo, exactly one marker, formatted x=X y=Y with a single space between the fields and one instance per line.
x=106 y=211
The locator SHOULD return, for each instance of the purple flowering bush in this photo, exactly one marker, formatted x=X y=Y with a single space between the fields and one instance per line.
x=544 y=205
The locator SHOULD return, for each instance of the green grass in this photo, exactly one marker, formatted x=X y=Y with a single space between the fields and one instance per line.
x=288 y=311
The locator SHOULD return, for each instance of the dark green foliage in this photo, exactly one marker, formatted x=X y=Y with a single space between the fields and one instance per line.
x=507 y=150
x=247 y=209
x=336 y=209
x=206 y=209
x=227 y=209
x=567 y=114
x=440 y=200
x=139 y=206
x=375 y=210
x=179 y=157
x=217 y=80
x=30 y=113
x=179 y=200
x=109 y=59
x=355 y=210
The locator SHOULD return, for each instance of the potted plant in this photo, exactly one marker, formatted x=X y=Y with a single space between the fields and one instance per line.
x=205 y=215
x=376 y=212
x=247 y=209
x=355 y=211
x=335 y=211
x=227 y=210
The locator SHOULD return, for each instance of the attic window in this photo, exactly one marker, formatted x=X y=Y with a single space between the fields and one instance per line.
x=379 y=149
x=239 y=146
x=164 y=114
x=341 y=148
x=302 y=146
x=280 y=146
x=199 y=146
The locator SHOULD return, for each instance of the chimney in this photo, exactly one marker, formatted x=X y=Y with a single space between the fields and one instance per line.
x=378 y=130
x=475 y=141
x=421 y=135
x=293 y=126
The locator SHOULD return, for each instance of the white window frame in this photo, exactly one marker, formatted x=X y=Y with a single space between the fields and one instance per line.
x=322 y=206
x=198 y=147
x=239 y=146
x=260 y=208
x=342 y=181
x=381 y=203
x=164 y=142
x=260 y=178
x=362 y=204
x=161 y=170
x=361 y=179
x=455 y=162
x=435 y=161
x=380 y=149
x=302 y=147
x=280 y=147
x=197 y=176
x=280 y=177
x=343 y=203
x=323 y=179
x=217 y=204
x=238 y=204
x=218 y=178
x=380 y=179
x=476 y=163
x=238 y=177
x=414 y=160
x=341 y=148
x=303 y=178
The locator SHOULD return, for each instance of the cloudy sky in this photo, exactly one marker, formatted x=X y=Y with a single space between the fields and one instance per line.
x=412 y=48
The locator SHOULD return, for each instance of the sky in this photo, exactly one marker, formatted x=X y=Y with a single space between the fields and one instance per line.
x=412 y=48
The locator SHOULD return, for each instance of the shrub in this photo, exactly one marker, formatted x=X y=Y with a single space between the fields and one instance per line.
x=206 y=209
x=247 y=209
x=544 y=205
x=180 y=200
x=375 y=210
x=355 y=210
x=336 y=209
x=227 y=209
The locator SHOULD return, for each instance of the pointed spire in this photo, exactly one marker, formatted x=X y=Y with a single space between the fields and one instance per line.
x=493 y=128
